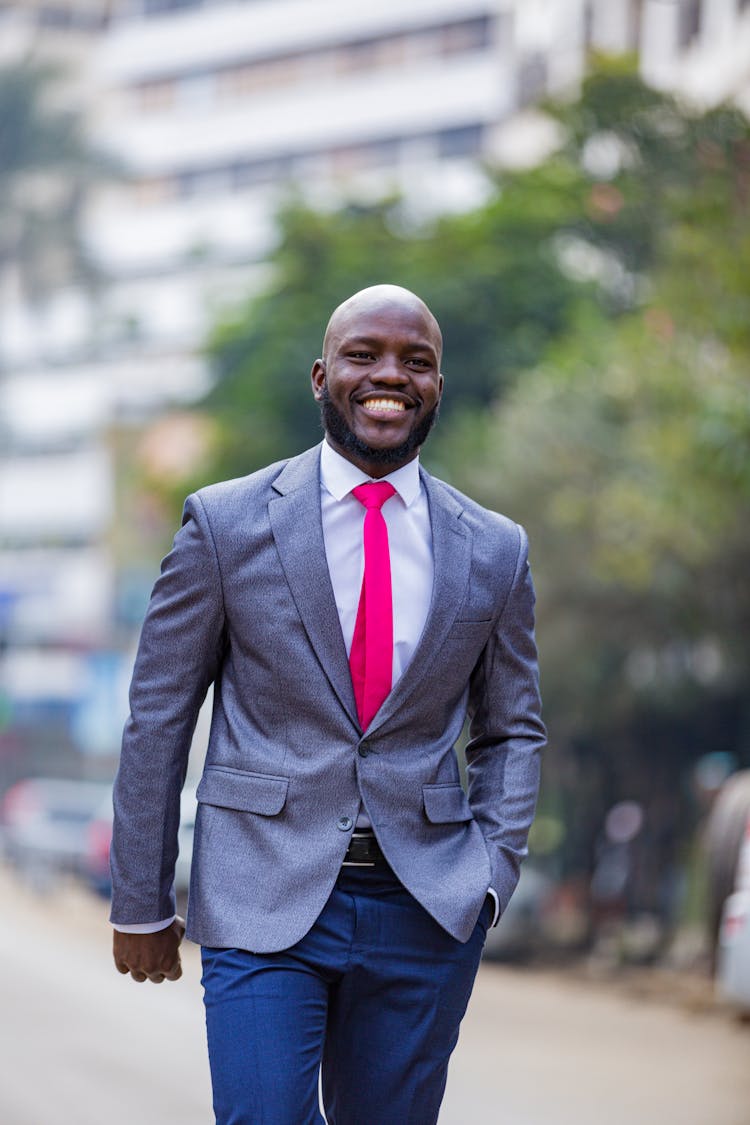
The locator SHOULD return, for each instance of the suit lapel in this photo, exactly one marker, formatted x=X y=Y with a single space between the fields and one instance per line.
x=297 y=528
x=451 y=547
x=294 y=512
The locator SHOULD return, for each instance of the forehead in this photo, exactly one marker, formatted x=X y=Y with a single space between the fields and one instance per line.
x=387 y=322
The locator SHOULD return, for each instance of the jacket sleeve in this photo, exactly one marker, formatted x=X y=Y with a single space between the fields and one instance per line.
x=506 y=732
x=178 y=657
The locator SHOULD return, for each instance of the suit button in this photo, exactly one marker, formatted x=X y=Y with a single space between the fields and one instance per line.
x=345 y=823
x=363 y=749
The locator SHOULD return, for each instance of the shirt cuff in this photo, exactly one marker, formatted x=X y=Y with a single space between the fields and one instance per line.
x=496 y=900
x=143 y=927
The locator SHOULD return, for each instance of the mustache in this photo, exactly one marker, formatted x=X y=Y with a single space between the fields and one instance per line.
x=335 y=424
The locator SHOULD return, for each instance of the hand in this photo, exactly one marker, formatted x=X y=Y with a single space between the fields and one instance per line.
x=154 y=957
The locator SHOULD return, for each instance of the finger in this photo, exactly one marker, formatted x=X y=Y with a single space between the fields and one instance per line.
x=174 y=973
x=122 y=967
x=156 y=978
x=136 y=974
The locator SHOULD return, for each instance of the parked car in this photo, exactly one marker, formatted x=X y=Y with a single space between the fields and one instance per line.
x=44 y=824
x=188 y=810
x=96 y=864
x=724 y=838
x=520 y=931
x=96 y=867
x=733 y=955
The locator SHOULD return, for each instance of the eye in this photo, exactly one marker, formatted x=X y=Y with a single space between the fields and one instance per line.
x=417 y=361
x=361 y=355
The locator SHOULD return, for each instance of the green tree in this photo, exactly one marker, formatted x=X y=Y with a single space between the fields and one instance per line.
x=627 y=459
x=625 y=452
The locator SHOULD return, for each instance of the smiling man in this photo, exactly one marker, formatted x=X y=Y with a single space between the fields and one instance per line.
x=350 y=610
x=379 y=381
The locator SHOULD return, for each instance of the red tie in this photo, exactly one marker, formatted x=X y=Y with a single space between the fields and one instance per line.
x=371 y=656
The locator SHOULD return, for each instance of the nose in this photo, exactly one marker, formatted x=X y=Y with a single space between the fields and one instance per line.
x=389 y=371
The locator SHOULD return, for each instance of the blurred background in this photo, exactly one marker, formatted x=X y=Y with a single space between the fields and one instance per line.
x=187 y=189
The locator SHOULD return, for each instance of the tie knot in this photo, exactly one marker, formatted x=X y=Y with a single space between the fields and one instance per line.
x=374 y=494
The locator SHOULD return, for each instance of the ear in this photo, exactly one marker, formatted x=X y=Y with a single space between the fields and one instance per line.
x=318 y=378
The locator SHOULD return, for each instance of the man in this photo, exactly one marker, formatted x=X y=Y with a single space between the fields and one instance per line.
x=349 y=609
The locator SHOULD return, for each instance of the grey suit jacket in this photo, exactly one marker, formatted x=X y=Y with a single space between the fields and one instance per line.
x=245 y=601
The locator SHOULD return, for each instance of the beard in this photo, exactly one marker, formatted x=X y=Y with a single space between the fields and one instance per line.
x=336 y=426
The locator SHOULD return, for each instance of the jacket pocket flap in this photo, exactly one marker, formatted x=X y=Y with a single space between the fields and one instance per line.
x=245 y=792
x=445 y=804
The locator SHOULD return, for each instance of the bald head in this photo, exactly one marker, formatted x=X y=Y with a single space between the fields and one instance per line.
x=378 y=299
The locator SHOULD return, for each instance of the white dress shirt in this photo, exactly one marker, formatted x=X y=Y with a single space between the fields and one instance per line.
x=407 y=517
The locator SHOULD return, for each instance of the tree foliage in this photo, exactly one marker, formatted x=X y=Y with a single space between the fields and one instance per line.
x=625 y=452
x=626 y=455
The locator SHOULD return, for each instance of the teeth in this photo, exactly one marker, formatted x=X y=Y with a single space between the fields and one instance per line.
x=385 y=405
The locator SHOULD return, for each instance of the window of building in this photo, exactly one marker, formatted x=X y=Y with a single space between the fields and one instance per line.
x=391 y=51
x=155 y=190
x=249 y=173
x=468 y=35
x=155 y=96
x=422 y=44
x=344 y=160
x=465 y=140
x=246 y=77
x=357 y=56
x=73 y=18
x=349 y=159
x=204 y=181
x=156 y=7
x=690 y=21
x=235 y=81
x=195 y=91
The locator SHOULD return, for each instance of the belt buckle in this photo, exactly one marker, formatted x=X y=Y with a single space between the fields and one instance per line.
x=359 y=862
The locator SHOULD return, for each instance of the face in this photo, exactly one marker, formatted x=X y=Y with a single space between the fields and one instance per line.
x=379 y=383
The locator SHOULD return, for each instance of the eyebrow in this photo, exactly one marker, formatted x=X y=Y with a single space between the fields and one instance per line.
x=374 y=342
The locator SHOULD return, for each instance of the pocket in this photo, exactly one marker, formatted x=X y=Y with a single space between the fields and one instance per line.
x=445 y=804
x=228 y=788
x=486 y=914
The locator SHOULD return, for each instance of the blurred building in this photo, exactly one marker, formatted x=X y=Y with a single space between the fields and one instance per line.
x=58 y=31
x=216 y=107
x=213 y=110
x=56 y=494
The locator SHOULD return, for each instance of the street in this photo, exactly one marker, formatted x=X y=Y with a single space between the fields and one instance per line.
x=82 y=1045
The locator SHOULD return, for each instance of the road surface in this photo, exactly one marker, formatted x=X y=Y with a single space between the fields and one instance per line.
x=82 y=1045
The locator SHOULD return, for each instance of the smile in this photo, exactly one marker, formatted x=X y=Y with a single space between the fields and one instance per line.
x=384 y=405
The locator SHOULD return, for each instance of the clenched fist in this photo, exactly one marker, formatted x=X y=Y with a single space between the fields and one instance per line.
x=154 y=957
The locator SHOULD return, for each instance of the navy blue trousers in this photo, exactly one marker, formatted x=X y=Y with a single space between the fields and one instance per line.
x=371 y=998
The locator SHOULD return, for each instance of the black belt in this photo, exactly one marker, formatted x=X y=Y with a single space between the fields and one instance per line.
x=363 y=851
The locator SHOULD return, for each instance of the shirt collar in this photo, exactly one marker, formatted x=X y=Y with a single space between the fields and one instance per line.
x=339 y=476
